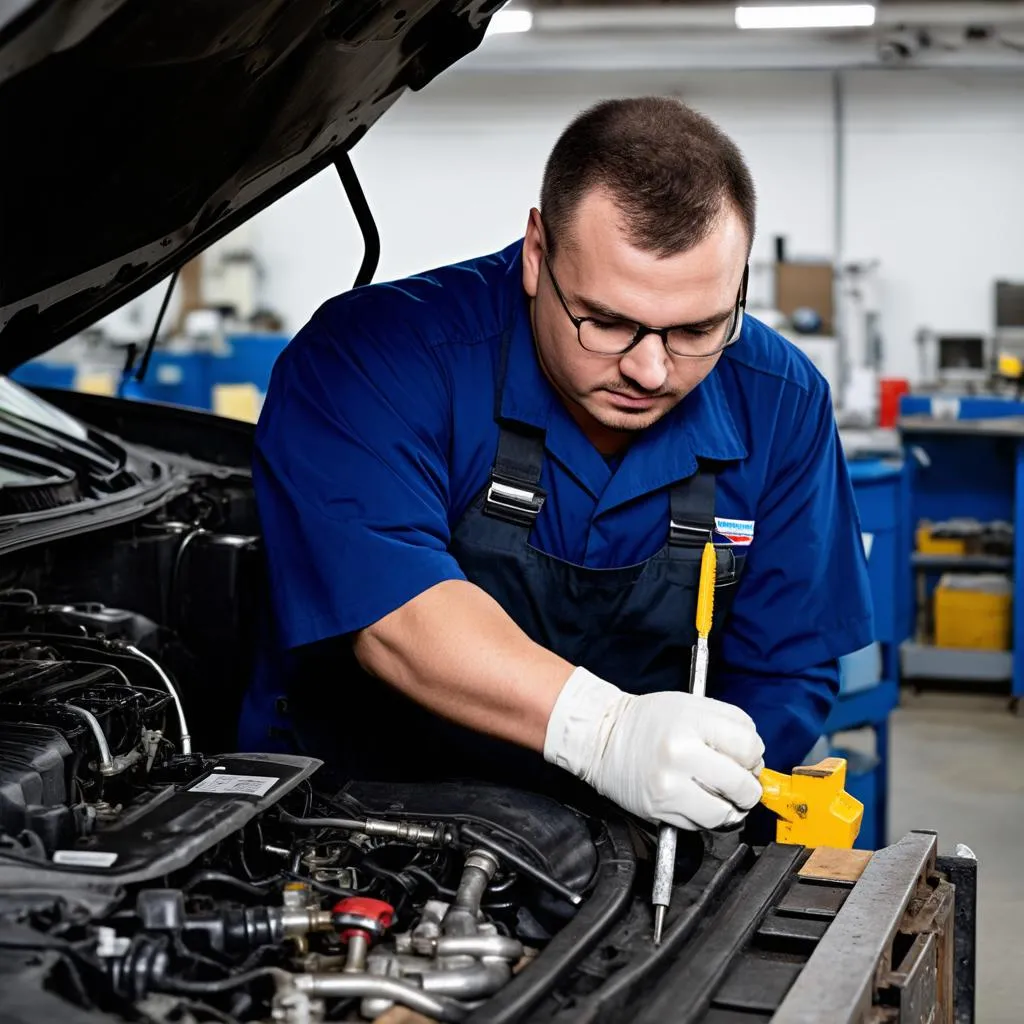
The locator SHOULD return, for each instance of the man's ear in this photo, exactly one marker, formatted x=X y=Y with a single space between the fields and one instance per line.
x=534 y=246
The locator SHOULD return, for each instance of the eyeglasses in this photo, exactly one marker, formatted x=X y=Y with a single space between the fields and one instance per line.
x=615 y=337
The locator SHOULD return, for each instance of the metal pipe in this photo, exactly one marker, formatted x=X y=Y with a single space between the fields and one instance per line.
x=479 y=945
x=358 y=945
x=361 y=986
x=481 y=979
x=302 y=921
x=408 y=831
x=106 y=761
x=469 y=832
x=463 y=914
x=186 y=739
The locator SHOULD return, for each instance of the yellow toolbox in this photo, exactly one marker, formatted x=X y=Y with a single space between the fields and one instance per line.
x=929 y=544
x=953 y=537
x=973 y=611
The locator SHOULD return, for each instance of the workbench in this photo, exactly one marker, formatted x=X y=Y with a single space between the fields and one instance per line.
x=970 y=452
x=785 y=935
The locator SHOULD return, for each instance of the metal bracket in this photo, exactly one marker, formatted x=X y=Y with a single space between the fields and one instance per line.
x=510 y=501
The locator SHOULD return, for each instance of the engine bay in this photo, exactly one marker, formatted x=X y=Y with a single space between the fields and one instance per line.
x=142 y=879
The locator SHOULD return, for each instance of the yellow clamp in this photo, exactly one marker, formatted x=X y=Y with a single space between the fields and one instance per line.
x=813 y=806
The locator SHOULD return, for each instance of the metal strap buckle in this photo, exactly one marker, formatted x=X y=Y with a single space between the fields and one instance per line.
x=513 y=502
x=688 y=534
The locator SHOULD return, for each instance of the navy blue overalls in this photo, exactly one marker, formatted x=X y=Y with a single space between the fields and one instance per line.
x=633 y=626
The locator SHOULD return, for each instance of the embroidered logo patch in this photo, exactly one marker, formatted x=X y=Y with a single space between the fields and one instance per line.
x=736 y=531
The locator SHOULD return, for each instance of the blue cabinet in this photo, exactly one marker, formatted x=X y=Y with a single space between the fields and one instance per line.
x=869 y=688
x=882 y=489
x=971 y=450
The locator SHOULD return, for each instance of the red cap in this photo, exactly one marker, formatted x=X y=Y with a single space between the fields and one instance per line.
x=363 y=915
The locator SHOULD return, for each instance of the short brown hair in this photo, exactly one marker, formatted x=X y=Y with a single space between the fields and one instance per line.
x=670 y=170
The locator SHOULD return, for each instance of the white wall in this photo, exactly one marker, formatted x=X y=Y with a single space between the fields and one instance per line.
x=933 y=173
x=935 y=190
x=452 y=172
x=933 y=182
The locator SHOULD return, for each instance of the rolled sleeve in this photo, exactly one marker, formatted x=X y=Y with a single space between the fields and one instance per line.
x=804 y=599
x=351 y=476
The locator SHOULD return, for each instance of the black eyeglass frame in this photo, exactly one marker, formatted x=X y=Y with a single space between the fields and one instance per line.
x=643 y=329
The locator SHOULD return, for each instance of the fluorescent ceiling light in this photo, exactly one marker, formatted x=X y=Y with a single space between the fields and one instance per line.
x=509 y=21
x=806 y=16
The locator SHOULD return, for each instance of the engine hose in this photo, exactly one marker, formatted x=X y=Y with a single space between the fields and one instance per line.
x=221 y=878
x=186 y=739
x=344 y=824
x=613 y=888
x=141 y=969
x=403 y=831
x=178 y=986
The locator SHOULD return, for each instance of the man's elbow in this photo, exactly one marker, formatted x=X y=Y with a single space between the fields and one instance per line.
x=371 y=649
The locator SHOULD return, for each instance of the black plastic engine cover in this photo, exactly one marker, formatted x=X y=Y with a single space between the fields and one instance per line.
x=34 y=767
x=167 y=831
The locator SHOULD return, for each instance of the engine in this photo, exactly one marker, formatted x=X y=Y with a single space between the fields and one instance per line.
x=78 y=736
x=143 y=880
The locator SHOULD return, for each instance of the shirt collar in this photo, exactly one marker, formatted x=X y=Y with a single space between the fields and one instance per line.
x=701 y=426
x=527 y=396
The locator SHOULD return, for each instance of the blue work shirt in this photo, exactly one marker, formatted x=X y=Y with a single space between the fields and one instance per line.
x=378 y=430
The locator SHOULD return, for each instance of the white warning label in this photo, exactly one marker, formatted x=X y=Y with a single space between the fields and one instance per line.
x=232 y=785
x=84 y=858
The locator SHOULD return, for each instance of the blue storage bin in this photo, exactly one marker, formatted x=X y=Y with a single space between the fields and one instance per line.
x=41 y=374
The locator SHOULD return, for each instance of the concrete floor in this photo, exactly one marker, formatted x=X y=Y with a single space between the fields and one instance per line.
x=958 y=768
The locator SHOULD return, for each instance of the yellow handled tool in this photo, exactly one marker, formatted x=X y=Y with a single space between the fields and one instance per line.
x=812 y=805
x=665 y=859
x=706 y=591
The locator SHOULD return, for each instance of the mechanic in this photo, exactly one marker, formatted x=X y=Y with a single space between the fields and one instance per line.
x=485 y=490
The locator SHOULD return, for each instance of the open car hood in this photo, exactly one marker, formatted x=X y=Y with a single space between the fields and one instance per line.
x=137 y=132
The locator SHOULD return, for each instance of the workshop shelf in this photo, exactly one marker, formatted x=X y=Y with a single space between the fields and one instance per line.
x=969 y=452
x=962 y=563
x=956 y=664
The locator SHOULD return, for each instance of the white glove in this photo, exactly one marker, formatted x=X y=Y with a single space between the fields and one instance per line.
x=668 y=757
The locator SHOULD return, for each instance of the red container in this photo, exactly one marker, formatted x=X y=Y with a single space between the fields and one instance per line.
x=889 y=391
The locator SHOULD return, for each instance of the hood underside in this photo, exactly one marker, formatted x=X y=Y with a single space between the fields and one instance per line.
x=137 y=132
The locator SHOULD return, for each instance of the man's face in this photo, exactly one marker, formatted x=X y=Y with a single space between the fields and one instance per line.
x=602 y=275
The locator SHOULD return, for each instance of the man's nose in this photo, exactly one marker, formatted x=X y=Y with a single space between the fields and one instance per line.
x=647 y=363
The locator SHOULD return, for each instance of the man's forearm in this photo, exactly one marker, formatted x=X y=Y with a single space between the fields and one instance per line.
x=454 y=650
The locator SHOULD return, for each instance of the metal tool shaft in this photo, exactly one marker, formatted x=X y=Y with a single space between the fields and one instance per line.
x=699 y=675
x=665 y=858
x=664 y=876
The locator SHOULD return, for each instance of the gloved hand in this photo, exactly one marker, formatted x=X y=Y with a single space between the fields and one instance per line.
x=668 y=757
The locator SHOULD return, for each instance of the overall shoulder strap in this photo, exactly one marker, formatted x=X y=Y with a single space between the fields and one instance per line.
x=514 y=492
x=692 y=509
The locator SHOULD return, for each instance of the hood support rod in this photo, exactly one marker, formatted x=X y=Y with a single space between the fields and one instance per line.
x=151 y=344
x=364 y=218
